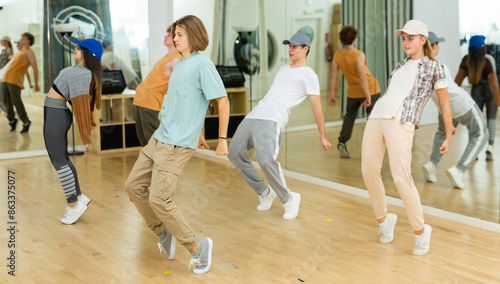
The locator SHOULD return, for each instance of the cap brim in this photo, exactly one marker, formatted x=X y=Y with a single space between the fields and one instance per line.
x=286 y=41
x=401 y=31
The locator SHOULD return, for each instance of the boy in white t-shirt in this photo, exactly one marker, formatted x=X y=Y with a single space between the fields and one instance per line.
x=464 y=111
x=263 y=127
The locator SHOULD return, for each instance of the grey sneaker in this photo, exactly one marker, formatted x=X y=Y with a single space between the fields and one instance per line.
x=455 y=176
x=343 y=150
x=204 y=261
x=423 y=242
x=267 y=201
x=168 y=244
x=72 y=214
x=429 y=170
x=387 y=231
x=292 y=206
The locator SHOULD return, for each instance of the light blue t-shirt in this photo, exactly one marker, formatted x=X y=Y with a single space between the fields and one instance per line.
x=193 y=83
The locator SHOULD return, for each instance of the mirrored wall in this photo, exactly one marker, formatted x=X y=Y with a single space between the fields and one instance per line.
x=122 y=25
x=301 y=150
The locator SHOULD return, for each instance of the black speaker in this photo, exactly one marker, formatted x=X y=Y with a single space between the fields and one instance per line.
x=113 y=82
x=231 y=76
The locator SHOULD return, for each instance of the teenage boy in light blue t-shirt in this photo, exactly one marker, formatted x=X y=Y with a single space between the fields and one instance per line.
x=153 y=180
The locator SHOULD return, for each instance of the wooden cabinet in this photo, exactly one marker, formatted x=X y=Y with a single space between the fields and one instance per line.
x=115 y=130
x=239 y=107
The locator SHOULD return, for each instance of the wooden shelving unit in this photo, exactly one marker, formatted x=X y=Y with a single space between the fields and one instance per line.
x=115 y=130
x=239 y=107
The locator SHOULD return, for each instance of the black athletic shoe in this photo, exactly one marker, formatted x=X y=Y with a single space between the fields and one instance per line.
x=26 y=128
x=13 y=125
x=343 y=150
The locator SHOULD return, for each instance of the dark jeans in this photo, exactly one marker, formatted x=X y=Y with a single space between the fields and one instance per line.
x=146 y=123
x=353 y=106
x=483 y=96
x=11 y=99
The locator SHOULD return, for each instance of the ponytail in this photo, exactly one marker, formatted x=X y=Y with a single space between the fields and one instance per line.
x=428 y=51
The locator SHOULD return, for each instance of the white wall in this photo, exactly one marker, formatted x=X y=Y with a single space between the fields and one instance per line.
x=15 y=17
x=160 y=16
x=201 y=9
x=432 y=13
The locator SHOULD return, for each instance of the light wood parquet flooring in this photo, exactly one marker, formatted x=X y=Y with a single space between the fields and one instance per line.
x=334 y=239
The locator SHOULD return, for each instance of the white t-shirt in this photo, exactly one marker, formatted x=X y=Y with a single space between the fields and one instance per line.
x=402 y=82
x=109 y=58
x=460 y=100
x=290 y=87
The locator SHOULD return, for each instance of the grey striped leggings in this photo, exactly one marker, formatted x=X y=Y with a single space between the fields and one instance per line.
x=55 y=128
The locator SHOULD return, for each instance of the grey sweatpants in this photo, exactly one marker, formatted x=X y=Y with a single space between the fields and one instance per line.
x=265 y=137
x=478 y=137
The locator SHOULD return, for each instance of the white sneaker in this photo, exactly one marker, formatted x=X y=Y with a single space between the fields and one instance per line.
x=72 y=214
x=429 y=170
x=387 y=230
x=292 y=206
x=168 y=244
x=455 y=176
x=423 y=242
x=84 y=200
x=489 y=153
x=267 y=201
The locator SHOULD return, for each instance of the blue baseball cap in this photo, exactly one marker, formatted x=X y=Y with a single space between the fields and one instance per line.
x=476 y=42
x=91 y=45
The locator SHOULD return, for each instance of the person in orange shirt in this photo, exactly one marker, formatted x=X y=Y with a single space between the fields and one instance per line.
x=150 y=93
x=13 y=79
x=362 y=88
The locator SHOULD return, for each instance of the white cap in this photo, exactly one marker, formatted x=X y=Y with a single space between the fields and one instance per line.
x=413 y=27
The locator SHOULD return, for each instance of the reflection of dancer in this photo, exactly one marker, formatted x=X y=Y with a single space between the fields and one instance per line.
x=149 y=94
x=7 y=52
x=484 y=83
x=13 y=79
x=465 y=111
x=262 y=128
x=5 y=57
x=392 y=123
x=112 y=62
x=81 y=86
x=153 y=179
x=362 y=87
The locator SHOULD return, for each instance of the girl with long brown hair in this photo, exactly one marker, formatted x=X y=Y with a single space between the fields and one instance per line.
x=483 y=79
x=79 y=85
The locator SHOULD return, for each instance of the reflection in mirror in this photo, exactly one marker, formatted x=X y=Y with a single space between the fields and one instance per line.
x=301 y=152
x=124 y=22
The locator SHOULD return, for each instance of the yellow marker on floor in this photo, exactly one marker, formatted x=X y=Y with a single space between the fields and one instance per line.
x=328 y=220
x=167 y=272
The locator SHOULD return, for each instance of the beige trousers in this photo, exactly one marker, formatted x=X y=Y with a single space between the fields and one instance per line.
x=151 y=185
x=398 y=138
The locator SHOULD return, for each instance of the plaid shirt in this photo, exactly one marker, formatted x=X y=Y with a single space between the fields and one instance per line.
x=429 y=73
x=5 y=57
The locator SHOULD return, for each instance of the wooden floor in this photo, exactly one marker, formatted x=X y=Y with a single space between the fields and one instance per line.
x=334 y=239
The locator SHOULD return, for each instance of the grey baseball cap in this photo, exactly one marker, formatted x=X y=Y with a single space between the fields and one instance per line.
x=299 y=39
x=433 y=38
